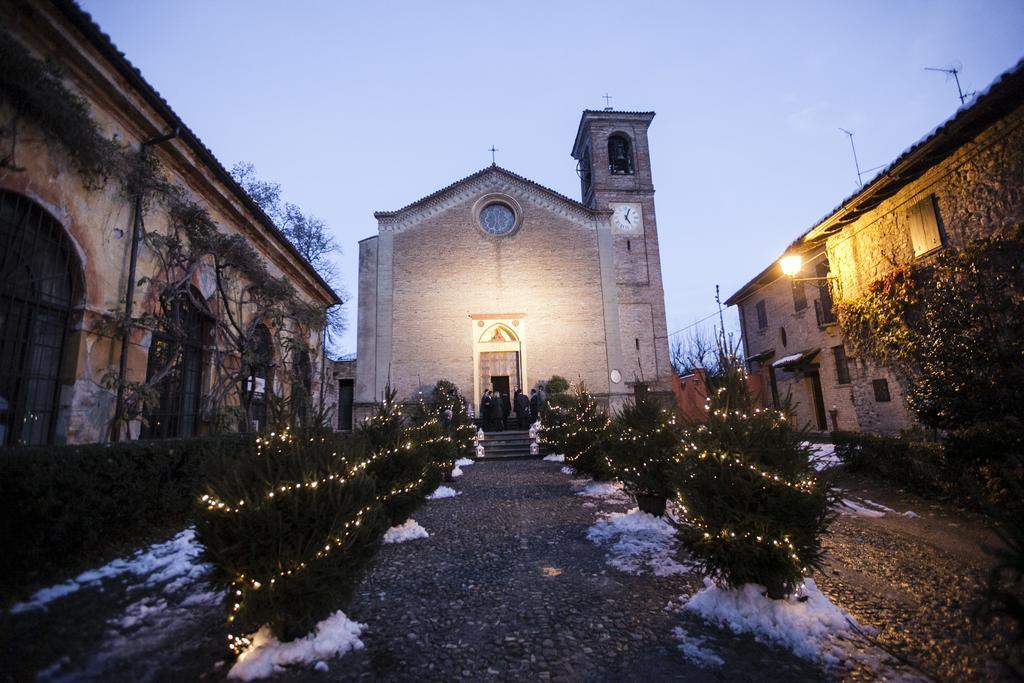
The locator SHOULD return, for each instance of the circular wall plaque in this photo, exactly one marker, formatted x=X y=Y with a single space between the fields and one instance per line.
x=616 y=376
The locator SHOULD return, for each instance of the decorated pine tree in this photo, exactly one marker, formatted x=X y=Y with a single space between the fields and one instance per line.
x=452 y=409
x=398 y=456
x=577 y=426
x=751 y=508
x=288 y=523
x=643 y=449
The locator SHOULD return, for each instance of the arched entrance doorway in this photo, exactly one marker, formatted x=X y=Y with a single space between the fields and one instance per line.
x=499 y=355
x=39 y=286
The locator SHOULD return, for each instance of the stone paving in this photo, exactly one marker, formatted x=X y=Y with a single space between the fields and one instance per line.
x=508 y=588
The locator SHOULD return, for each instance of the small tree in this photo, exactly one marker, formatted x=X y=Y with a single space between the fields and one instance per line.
x=751 y=508
x=397 y=457
x=289 y=523
x=577 y=426
x=644 y=451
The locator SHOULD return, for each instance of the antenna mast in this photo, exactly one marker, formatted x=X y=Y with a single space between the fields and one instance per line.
x=955 y=73
x=856 y=163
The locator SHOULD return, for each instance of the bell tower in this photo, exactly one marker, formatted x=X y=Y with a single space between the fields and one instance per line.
x=614 y=165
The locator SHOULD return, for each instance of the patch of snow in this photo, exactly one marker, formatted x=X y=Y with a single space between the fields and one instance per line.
x=463 y=462
x=457 y=472
x=567 y=470
x=787 y=359
x=443 y=492
x=559 y=457
x=848 y=507
x=911 y=514
x=332 y=637
x=638 y=541
x=823 y=456
x=695 y=650
x=601 y=489
x=174 y=563
x=814 y=629
x=877 y=506
x=409 y=531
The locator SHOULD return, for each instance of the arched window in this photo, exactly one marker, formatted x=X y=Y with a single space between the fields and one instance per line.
x=620 y=155
x=260 y=383
x=176 y=368
x=39 y=285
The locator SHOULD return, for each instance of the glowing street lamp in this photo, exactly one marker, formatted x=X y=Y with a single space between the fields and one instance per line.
x=791 y=264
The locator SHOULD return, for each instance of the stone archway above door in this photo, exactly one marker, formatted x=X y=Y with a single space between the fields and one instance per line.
x=499 y=343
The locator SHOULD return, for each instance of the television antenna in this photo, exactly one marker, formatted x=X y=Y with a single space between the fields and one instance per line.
x=955 y=73
x=856 y=161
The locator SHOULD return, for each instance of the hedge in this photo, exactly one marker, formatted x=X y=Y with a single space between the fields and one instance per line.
x=67 y=504
x=918 y=465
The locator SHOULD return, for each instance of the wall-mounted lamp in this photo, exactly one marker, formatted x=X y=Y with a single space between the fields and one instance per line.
x=792 y=264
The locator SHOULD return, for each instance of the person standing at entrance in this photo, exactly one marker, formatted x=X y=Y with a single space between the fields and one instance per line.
x=485 y=410
x=535 y=405
x=506 y=405
x=522 y=409
x=496 y=413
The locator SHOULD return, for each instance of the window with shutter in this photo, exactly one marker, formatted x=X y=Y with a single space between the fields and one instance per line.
x=799 y=297
x=842 y=367
x=924 y=226
x=762 y=315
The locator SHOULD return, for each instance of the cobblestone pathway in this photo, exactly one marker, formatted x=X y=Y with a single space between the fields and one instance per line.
x=508 y=588
x=917 y=580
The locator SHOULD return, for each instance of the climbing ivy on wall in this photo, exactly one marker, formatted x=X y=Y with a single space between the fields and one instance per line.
x=952 y=329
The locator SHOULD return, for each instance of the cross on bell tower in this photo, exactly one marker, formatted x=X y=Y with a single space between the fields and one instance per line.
x=607 y=102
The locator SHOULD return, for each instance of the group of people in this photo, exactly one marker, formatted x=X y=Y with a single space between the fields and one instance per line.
x=495 y=408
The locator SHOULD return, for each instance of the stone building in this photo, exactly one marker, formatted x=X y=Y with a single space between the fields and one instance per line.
x=963 y=180
x=66 y=251
x=498 y=282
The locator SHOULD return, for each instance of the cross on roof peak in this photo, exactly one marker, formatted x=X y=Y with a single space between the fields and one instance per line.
x=607 y=102
x=492 y=150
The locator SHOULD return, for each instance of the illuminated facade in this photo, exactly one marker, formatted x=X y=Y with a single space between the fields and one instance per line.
x=498 y=282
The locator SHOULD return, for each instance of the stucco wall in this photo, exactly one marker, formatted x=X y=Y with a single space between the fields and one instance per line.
x=98 y=221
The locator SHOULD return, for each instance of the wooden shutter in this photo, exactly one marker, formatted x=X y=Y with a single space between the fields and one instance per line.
x=924 y=226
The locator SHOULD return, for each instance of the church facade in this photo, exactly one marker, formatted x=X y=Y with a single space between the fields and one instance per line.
x=498 y=282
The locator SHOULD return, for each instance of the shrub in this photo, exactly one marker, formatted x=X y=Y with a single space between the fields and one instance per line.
x=556 y=385
x=644 y=448
x=68 y=504
x=751 y=509
x=917 y=465
x=577 y=427
x=289 y=529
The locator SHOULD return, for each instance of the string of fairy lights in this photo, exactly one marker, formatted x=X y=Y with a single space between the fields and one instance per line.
x=339 y=536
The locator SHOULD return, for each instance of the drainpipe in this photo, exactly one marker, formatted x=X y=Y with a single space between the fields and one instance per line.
x=115 y=432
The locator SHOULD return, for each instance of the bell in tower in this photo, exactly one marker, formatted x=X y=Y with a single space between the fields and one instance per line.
x=620 y=157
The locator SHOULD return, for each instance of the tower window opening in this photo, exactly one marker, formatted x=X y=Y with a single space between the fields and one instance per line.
x=628 y=248
x=620 y=155
x=636 y=340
